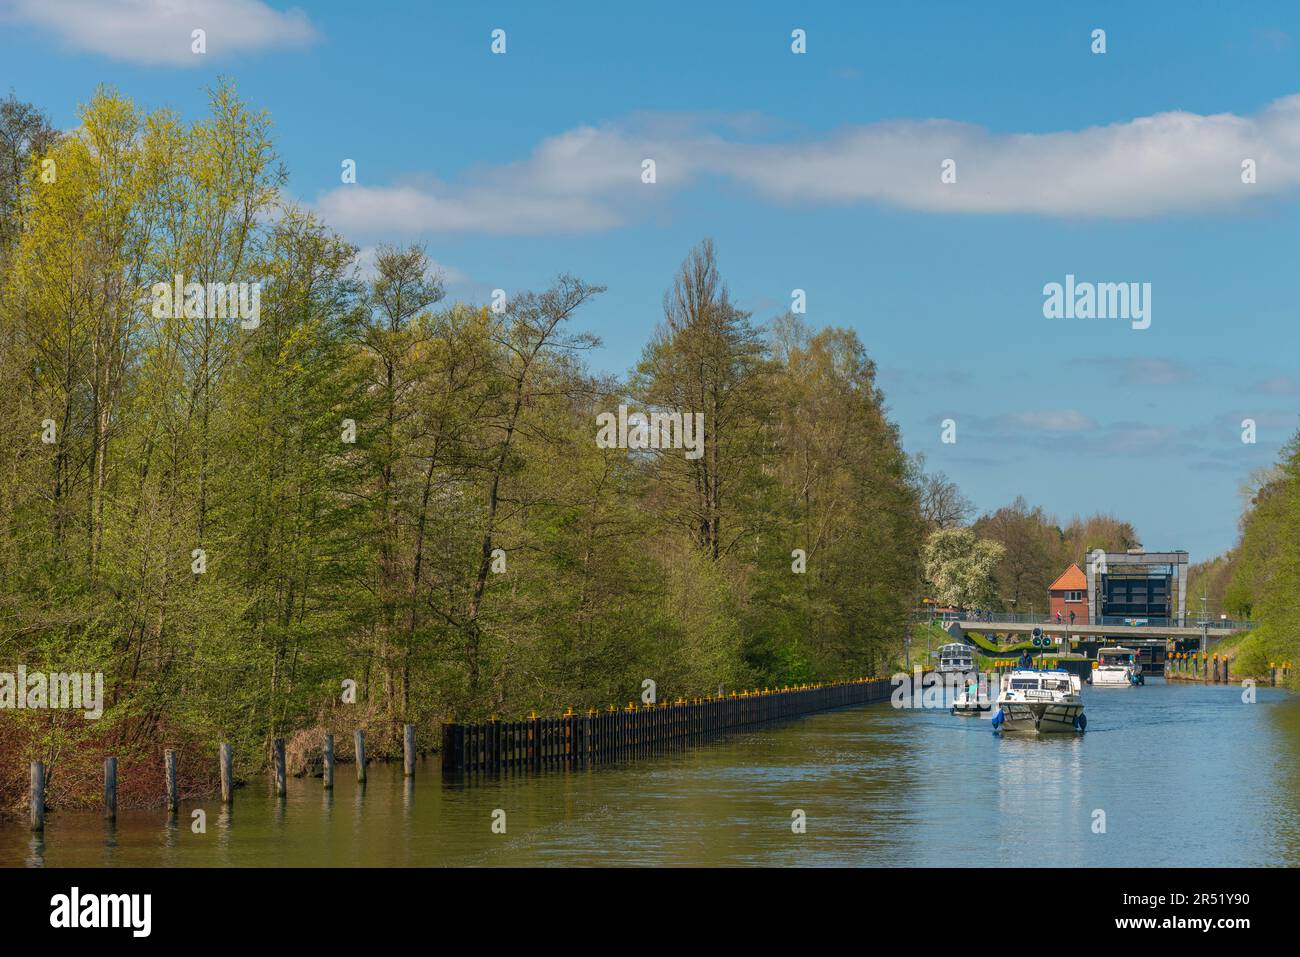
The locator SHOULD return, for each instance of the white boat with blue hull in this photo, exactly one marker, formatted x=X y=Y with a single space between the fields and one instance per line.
x=1040 y=702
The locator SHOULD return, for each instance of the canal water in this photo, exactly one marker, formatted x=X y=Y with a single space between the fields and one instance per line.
x=1184 y=774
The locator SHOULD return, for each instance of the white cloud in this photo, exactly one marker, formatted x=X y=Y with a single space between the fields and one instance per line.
x=589 y=178
x=158 y=31
x=409 y=209
x=1144 y=371
x=1050 y=420
x=1278 y=385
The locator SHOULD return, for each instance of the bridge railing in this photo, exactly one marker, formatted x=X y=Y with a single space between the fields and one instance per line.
x=1015 y=618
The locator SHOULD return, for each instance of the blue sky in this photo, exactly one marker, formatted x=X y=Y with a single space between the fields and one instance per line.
x=818 y=171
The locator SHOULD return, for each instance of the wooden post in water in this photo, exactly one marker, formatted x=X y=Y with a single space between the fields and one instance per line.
x=277 y=747
x=327 y=755
x=169 y=761
x=110 y=789
x=360 y=742
x=227 y=774
x=37 y=800
x=408 y=749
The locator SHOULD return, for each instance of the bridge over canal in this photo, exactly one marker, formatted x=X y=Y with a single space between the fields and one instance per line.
x=1000 y=623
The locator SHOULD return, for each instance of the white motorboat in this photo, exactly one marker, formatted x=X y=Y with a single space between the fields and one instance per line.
x=973 y=699
x=955 y=658
x=1117 y=668
x=1040 y=702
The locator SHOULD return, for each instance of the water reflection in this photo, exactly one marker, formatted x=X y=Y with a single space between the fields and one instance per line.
x=35 y=851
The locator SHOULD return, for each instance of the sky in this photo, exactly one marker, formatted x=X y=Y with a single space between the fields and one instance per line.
x=820 y=171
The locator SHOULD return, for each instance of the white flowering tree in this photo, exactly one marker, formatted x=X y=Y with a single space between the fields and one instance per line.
x=960 y=568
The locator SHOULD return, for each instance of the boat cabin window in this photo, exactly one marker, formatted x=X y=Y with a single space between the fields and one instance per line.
x=1025 y=683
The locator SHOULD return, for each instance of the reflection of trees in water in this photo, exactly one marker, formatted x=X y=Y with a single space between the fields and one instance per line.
x=1284 y=719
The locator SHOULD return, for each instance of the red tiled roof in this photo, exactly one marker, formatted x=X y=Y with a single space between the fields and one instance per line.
x=1072 y=579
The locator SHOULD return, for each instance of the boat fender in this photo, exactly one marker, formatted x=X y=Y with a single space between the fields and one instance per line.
x=998 y=719
x=1080 y=722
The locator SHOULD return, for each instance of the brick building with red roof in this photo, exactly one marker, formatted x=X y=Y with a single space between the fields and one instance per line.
x=1069 y=593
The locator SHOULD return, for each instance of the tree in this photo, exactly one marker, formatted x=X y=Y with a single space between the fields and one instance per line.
x=942 y=503
x=26 y=137
x=960 y=567
x=1032 y=557
x=707 y=358
x=1084 y=536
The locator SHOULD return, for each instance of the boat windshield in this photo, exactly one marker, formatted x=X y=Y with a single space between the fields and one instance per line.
x=1048 y=684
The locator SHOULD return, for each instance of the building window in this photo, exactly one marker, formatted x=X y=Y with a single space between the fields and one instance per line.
x=1074 y=596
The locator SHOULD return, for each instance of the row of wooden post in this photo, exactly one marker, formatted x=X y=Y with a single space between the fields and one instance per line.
x=599 y=737
x=1215 y=669
x=36 y=801
x=1198 y=666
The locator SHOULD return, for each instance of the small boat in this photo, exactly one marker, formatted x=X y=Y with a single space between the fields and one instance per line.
x=955 y=658
x=1040 y=701
x=973 y=700
x=1117 y=668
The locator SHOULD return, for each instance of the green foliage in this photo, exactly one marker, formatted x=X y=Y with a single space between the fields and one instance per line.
x=376 y=486
x=960 y=567
x=1037 y=550
x=981 y=642
x=1265 y=573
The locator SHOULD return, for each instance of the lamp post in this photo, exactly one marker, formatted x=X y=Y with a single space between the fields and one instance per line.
x=1205 y=628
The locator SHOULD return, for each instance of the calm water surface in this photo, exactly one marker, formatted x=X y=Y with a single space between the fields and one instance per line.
x=1186 y=775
